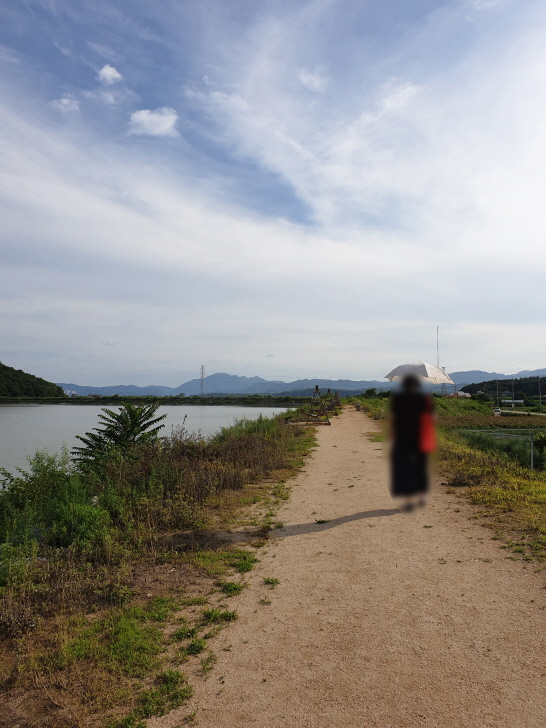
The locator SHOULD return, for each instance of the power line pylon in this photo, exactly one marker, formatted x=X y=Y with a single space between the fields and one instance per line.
x=202 y=384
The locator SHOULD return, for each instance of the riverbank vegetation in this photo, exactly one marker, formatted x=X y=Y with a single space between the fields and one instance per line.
x=114 y=578
x=493 y=474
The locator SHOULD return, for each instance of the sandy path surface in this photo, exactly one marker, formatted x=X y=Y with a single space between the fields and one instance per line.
x=380 y=618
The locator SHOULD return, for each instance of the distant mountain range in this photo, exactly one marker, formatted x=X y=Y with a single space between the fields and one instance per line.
x=233 y=384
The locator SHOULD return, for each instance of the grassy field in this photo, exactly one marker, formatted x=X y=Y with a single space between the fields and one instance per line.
x=115 y=581
x=493 y=475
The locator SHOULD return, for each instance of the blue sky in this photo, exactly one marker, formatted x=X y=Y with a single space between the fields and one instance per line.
x=282 y=189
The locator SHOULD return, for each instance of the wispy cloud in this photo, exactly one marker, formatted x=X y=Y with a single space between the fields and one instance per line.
x=160 y=122
x=106 y=52
x=65 y=51
x=485 y=4
x=313 y=80
x=67 y=103
x=7 y=55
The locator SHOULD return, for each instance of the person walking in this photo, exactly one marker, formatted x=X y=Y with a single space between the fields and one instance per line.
x=413 y=440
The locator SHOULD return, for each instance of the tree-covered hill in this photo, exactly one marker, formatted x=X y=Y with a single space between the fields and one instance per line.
x=17 y=383
x=523 y=387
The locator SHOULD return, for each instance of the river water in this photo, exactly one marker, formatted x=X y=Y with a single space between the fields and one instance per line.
x=24 y=429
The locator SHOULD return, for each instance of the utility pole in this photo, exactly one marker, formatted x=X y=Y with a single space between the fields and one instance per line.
x=498 y=405
x=539 y=391
x=438 y=360
x=202 y=385
x=513 y=396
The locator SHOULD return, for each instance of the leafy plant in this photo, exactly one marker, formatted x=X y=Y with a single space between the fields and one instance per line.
x=121 y=430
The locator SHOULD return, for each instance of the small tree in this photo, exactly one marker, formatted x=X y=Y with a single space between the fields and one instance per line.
x=121 y=430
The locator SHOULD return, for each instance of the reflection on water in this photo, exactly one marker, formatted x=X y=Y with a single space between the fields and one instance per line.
x=27 y=428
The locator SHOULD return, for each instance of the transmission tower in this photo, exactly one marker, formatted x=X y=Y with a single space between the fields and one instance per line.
x=202 y=385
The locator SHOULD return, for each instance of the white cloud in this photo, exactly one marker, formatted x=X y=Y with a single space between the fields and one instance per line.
x=313 y=80
x=109 y=75
x=161 y=122
x=68 y=103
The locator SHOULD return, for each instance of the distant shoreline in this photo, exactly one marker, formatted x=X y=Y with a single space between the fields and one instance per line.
x=234 y=401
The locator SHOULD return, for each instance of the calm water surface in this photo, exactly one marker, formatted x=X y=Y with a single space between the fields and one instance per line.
x=27 y=428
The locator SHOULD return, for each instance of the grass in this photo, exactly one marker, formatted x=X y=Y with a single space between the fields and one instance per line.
x=120 y=643
x=513 y=449
x=193 y=601
x=270 y=581
x=170 y=691
x=514 y=496
x=160 y=608
x=208 y=662
x=94 y=603
x=196 y=646
x=184 y=633
x=216 y=563
x=218 y=615
x=231 y=588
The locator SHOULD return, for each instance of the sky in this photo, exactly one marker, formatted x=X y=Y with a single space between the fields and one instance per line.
x=282 y=189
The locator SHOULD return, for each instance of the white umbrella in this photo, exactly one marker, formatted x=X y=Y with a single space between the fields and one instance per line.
x=428 y=372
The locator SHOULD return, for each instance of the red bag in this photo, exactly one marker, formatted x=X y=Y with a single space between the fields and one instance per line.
x=427 y=434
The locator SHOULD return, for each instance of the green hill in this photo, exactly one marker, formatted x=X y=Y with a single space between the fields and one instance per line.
x=16 y=383
x=523 y=387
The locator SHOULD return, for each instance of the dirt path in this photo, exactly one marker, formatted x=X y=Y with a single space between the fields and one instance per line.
x=380 y=618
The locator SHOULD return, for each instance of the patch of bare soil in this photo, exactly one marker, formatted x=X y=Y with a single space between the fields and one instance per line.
x=379 y=618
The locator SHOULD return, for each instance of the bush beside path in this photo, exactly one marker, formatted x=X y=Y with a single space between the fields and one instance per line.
x=358 y=615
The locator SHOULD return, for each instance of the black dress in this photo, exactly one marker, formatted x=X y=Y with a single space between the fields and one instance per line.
x=409 y=465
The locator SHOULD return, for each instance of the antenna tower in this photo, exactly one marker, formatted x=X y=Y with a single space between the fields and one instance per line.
x=202 y=385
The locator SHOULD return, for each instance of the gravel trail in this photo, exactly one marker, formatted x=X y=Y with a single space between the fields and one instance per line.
x=380 y=618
